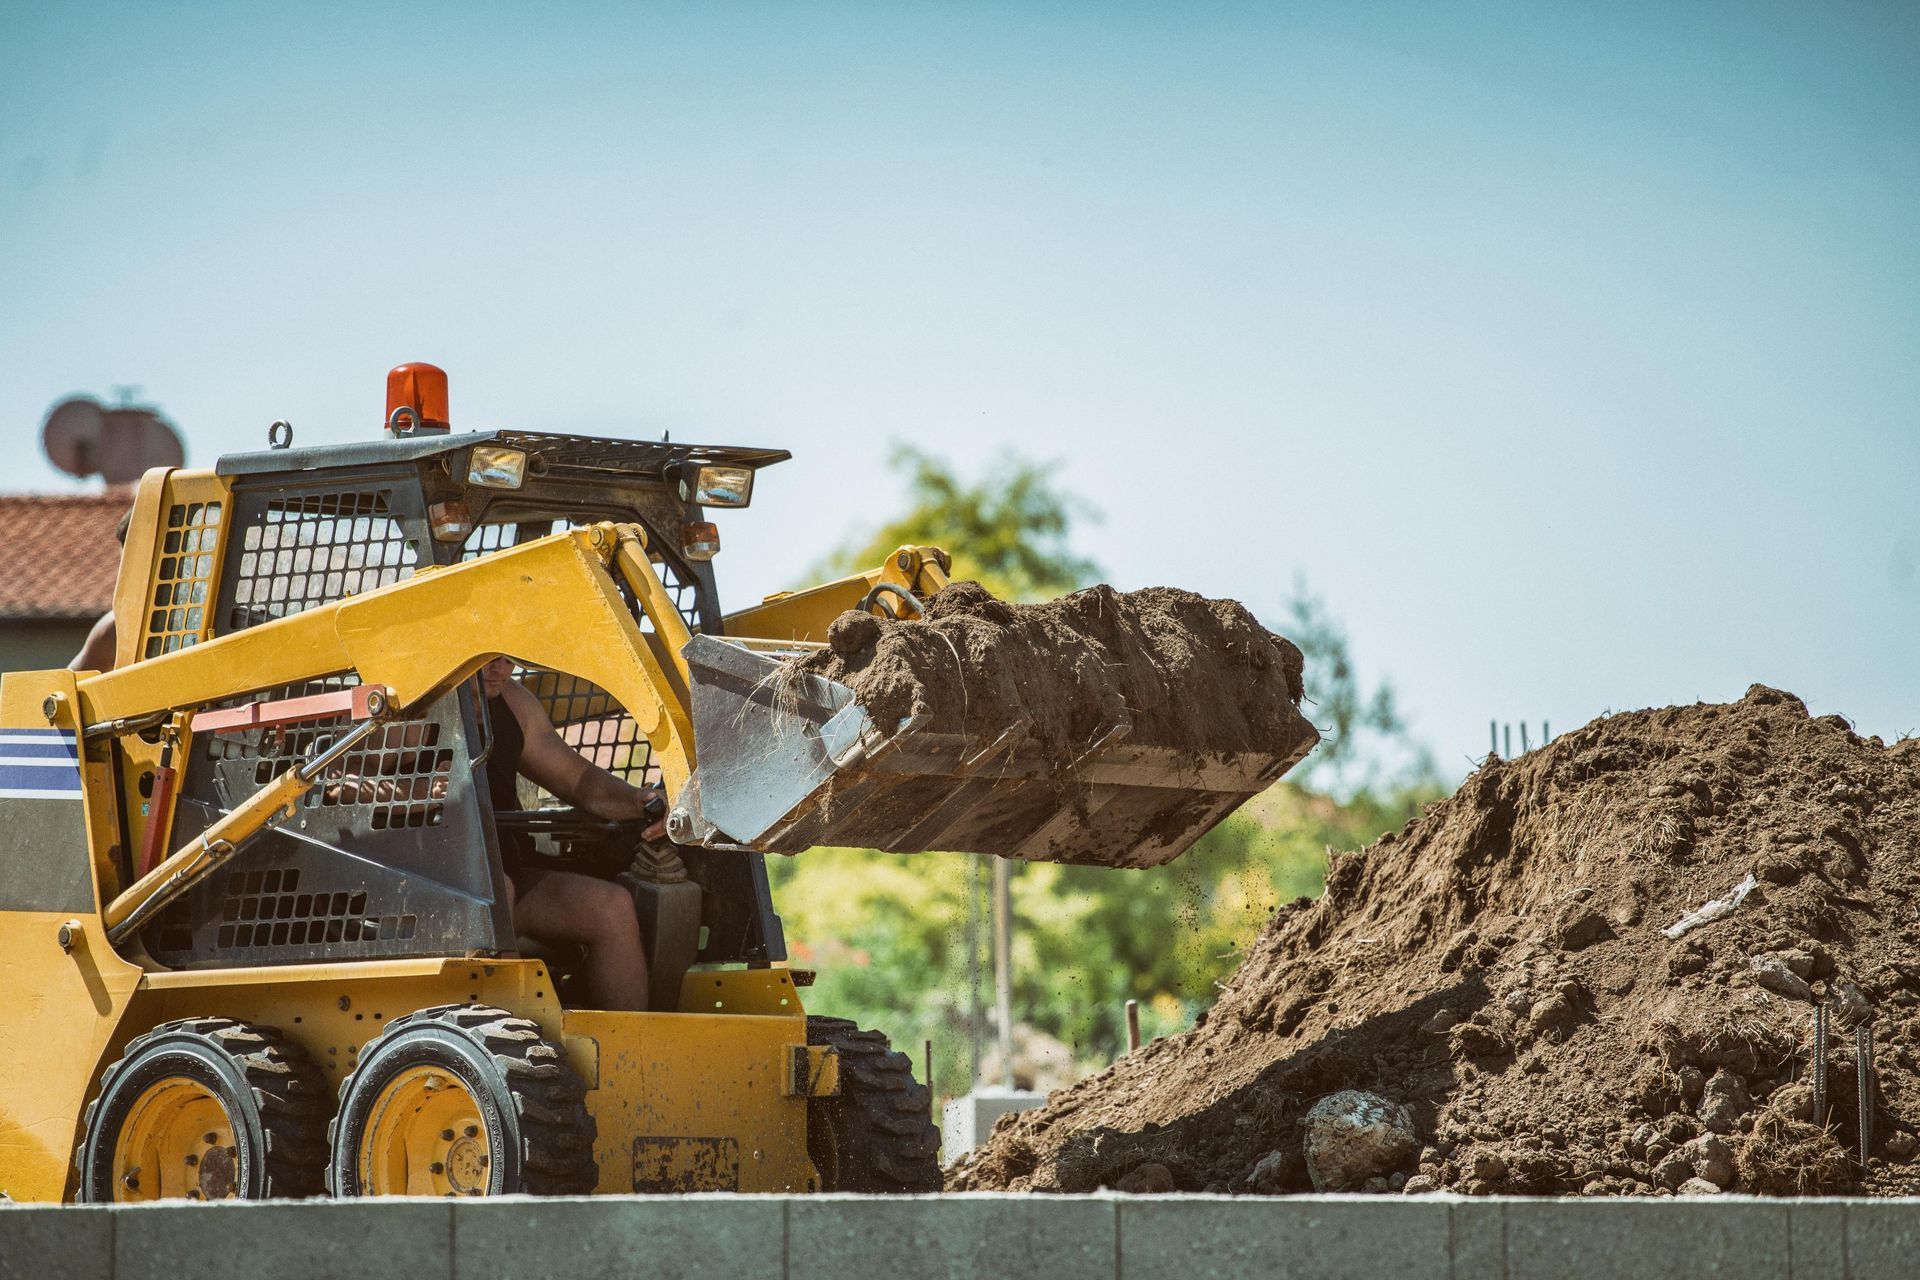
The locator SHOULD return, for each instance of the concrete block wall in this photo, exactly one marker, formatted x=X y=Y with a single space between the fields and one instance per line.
x=969 y=1237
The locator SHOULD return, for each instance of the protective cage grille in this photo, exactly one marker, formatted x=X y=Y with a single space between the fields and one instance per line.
x=387 y=855
x=303 y=550
x=182 y=576
x=263 y=908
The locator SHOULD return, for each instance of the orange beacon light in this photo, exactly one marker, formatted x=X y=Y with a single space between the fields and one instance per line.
x=416 y=400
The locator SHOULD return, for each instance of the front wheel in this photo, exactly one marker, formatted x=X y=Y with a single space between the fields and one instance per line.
x=877 y=1136
x=462 y=1100
x=205 y=1109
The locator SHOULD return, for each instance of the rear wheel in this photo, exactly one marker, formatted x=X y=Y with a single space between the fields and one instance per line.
x=206 y=1109
x=462 y=1100
x=877 y=1136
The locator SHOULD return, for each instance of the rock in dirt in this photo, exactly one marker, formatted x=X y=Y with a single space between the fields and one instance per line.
x=1698 y=1187
x=1352 y=1136
x=1276 y=1173
x=1446 y=912
x=1772 y=972
x=1146 y=1180
x=1672 y=1171
x=1723 y=1101
x=1711 y=1158
x=1850 y=1006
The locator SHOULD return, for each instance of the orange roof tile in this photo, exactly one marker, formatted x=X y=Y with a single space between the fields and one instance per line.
x=60 y=557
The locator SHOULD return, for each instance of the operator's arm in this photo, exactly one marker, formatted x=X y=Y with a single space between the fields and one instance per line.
x=96 y=654
x=548 y=760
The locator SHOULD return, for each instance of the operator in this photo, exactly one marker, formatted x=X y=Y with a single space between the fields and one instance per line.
x=97 y=651
x=560 y=905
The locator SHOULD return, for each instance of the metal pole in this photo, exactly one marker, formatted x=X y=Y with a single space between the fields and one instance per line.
x=1003 y=964
x=1493 y=738
x=1506 y=731
x=1863 y=1089
x=1819 y=1064
x=1133 y=1025
x=976 y=1010
x=1524 y=748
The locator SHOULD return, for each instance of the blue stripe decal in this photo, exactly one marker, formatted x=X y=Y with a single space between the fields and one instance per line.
x=38 y=750
x=52 y=776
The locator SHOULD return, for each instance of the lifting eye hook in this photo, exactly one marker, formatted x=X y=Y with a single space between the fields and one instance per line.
x=881 y=588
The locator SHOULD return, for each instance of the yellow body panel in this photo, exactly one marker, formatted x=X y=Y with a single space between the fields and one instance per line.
x=695 y=1101
x=63 y=1001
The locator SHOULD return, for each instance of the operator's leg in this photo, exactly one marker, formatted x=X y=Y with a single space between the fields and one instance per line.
x=574 y=908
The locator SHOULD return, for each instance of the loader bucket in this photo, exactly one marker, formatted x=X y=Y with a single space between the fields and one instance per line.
x=787 y=762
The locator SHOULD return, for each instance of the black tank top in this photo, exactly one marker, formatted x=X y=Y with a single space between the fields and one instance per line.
x=503 y=775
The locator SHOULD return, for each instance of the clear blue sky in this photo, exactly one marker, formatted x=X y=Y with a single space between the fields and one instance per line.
x=1572 y=353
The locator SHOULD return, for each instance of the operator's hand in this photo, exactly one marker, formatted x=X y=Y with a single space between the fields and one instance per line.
x=650 y=802
x=656 y=802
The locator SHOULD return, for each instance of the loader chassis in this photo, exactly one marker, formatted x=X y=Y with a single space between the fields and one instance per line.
x=351 y=913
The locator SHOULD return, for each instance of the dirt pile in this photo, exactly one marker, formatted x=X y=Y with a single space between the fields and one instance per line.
x=1144 y=715
x=1501 y=968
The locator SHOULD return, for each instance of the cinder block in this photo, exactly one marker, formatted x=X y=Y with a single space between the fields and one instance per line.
x=691 y=1237
x=1477 y=1229
x=1883 y=1239
x=286 y=1240
x=1298 y=1237
x=1665 y=1239
x=55 y=1242
x=957 y=1237
x=1816 y=1238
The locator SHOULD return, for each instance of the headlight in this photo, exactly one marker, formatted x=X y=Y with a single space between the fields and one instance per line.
x=492 y=467
x=718 y=486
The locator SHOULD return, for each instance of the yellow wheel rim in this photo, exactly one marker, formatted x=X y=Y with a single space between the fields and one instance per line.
x=425 y=1136
x=177 y=1144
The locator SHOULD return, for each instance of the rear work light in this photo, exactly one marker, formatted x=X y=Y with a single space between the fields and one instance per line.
x=717 y=486
x=699 y=540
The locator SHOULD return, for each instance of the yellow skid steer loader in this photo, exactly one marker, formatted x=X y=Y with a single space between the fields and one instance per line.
x=229 y=976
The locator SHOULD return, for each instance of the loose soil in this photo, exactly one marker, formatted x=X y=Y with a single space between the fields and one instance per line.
x=1500 y=968
x=1170 y=680
x=1184 y=671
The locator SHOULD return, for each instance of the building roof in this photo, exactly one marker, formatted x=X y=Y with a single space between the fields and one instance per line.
x=60 y=555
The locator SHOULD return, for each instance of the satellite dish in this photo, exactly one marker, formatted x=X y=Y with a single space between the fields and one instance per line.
x=71 y=436
x=132 y=440
x=119 y=445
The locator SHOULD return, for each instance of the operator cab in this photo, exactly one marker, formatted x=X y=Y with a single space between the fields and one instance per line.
x=415 y=869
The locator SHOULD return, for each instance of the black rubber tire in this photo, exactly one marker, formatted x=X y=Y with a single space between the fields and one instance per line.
x=276 y=1099
x=877 y=1136
x=539 y=1130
